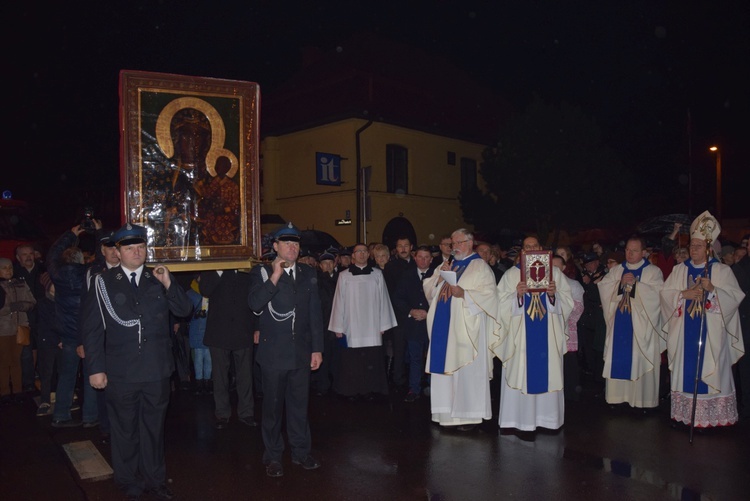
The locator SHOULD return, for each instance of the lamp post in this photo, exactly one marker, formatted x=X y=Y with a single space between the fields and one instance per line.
x=715 y=149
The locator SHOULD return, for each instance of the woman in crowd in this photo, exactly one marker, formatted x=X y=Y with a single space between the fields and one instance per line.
x=15 y=300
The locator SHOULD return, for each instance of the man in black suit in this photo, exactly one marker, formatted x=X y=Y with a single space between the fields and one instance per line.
x=131 y=303
x=741 y=270
x=394 y=270
x=229 y=337
x=285 y=296
x=411 y=308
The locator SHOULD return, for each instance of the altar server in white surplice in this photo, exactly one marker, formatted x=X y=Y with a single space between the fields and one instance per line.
x=633 y=346
x=360 y=313
x=531 y=347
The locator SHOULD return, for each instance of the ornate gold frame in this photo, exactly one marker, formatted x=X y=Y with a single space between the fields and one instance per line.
x=197 y=218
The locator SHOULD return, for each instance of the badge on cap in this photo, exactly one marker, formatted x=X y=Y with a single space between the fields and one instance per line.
x=288 y=233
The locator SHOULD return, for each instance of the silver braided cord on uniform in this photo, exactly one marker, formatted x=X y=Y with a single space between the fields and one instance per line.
x=279 y=317
x=102 y=292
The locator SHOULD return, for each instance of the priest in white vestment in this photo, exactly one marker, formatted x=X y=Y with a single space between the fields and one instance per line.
x=702 y=292
x=634 y=342
x=531 y=347
x=460 y=322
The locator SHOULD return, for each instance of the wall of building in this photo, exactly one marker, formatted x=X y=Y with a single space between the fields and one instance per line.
x=289 y=180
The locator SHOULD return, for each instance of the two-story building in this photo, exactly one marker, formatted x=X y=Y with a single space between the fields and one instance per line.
x=373 y=141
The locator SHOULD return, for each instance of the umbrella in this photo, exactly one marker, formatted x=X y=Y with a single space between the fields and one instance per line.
x=317 y=241
x=665 y=224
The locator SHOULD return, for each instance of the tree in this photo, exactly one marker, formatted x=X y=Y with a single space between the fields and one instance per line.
x=549 y=171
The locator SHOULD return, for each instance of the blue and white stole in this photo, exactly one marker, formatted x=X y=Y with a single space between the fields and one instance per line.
x=622 y=335
x=442 y=320
x=537 y=345
x=694 y=335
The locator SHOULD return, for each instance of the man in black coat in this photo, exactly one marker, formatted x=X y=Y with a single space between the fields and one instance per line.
x=323 y=378
x=411 y=306
x=132 y=303
x=285 y=296
x=741 y=270
x=229 y=337
x=27 y=269
x=396 y=337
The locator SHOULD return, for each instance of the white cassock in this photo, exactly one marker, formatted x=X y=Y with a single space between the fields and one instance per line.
x=521 y=408
x=723 y=347
x=362 y=309
x=639 y=384
x=460 y=365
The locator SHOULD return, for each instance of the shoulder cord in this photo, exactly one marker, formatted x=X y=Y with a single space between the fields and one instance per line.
x=102 y=293
x=279 y=317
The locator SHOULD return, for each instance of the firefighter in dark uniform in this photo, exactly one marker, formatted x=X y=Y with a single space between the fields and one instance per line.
x=131 y=303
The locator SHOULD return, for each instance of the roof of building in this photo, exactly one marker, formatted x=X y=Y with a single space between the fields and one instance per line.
x=384 y=81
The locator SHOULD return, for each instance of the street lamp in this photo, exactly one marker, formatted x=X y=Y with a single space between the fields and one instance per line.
x=715 y=149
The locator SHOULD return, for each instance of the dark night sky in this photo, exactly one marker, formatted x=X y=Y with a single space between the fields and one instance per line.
x=637 y=67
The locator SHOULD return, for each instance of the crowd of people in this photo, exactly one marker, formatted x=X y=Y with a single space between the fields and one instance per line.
x=467 y=324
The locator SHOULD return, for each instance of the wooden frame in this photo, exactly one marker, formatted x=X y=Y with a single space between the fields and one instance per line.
x=536 y=270
x=189 y=171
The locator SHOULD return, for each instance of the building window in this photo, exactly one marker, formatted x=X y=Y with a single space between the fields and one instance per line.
x=397 y=169
x=468 y=174
x=451 y=158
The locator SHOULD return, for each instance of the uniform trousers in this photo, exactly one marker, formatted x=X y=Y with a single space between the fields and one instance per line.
x=137 y=412
x=290 y=388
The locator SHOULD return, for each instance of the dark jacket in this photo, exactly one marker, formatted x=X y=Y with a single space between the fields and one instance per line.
x=394 y=270
x=408 y=295
x=37 y=289
x=69 y=285
x=283 y=345
x=230 y=322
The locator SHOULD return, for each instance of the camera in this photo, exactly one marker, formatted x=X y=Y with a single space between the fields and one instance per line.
x=87 y=223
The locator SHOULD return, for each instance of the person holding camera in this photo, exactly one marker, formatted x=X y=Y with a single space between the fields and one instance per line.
x=67 y=270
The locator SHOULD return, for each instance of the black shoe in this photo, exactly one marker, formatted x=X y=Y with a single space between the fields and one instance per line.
x=104 y=438
x=309 y=463
x=411 y=397
x=466 y=428
x=249 y=421
x=70 y=423
x=162 y=492
x=221 y=423
x=274 y=469
x=91 y=424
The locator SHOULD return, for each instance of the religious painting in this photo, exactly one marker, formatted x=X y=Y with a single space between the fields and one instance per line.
x=190 y=166
x=536 y=270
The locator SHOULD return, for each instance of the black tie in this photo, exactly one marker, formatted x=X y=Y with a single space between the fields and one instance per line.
x=291 y=273
x=423 y=273
x=132 y=280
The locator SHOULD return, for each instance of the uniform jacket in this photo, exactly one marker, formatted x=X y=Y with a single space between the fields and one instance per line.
x=121 y=355
x=287 y=344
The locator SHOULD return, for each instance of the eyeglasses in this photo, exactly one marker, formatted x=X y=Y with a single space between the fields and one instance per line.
x=359 y=251
x=461 y=242
x=697 y=246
